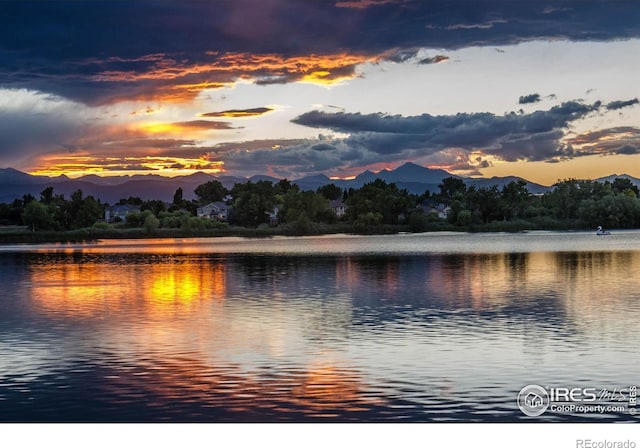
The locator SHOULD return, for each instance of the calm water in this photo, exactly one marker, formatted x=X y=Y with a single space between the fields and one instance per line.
x=429 y=327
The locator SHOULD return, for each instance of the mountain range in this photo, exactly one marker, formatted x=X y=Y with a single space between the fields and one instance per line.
x=415 y=178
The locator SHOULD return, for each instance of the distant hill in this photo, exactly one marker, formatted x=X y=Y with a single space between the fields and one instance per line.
x=634 y=180
x=415 y=178
x=502 y=181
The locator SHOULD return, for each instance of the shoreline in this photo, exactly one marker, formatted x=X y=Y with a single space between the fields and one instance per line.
x=16 y=235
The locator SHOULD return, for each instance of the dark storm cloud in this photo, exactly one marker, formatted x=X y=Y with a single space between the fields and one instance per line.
x=35 y=121
x=615 y=105
x=297 y=160
x=434 y=60
x=529 y=99
x=104 y=50
x=628 y=150
x=534 y=136
x=617 y=140
x=448 y=140
x=132 y=167
x=203 y=125
x=239 y=113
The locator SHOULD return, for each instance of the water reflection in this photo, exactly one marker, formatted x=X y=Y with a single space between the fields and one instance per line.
x=258 y=337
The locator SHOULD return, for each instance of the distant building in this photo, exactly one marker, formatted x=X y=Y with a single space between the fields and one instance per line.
x=214 y=210
x=438 y=208
x=273 y=215
x=338 y=207
x=120 y=212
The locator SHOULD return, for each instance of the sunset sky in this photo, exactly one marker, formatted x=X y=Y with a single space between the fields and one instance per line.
x=545 y=90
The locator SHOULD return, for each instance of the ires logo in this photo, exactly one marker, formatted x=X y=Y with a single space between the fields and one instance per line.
x=574 y=395
x=534 y=400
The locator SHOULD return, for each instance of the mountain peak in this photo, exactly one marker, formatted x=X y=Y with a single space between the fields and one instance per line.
x=412 y=172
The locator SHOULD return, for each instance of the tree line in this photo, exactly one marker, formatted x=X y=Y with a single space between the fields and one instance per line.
x=569 y=203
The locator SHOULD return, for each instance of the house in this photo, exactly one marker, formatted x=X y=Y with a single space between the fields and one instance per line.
x=437 y=208
x=214 y=210
x=273 y=215
x=339 y=207
x=120 y=212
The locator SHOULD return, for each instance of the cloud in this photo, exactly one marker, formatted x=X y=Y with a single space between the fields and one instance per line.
x=174 y=49
x=239 y=113
x=434 y=60
x=388 y=134
x=33 y=122
x=130 y=167
x=624 y=140
x=536 y=136
x=529 y=99
x=463 y=142
x=628 y=149
x=470 y=26
x=202 y=125
x=615 y=105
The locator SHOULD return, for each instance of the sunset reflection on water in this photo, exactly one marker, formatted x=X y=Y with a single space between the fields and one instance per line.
x=187 y=335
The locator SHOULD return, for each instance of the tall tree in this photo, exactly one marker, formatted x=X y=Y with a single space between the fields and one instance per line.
x=253 y=202
x=516 y=198
x=46 y=196
x=452 y=188
x=36 y=216
x=378 y=199
x=178 y=197
x=624 y=185
x=212 y=191
x=330 y=191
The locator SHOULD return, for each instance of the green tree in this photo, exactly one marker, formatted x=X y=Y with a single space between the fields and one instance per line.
x=486 y=203
x=463 y=218
x=624 y=185
x=330 y=191
x=154 y=205
x=84 y=211
x=366 y=221
x=178 y=198
x=516 y=199
x=284 y=186
x=151 y=223
x=46 y=196
x=307 y=206
x=36 y=216
x=619 y=210
x=565 y=197
x=11 y=214
x=452 y=188
x=27 y=198
x=131 y=200
x=212 y=191
x=379 y=198
x=253 y=202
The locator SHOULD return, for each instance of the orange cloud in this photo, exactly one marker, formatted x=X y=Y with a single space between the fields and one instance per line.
x=239 y=113
x=80 y=165
x=168 y=79
x=179 y=128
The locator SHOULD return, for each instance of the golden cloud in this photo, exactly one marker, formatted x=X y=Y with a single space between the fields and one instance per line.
x=171 y=80
x=239 y=113
x=76 y=166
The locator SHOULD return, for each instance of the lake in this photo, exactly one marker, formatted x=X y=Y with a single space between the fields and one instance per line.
x=435 y=327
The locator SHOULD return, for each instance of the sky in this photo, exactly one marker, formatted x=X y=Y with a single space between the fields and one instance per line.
x=545 y=90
